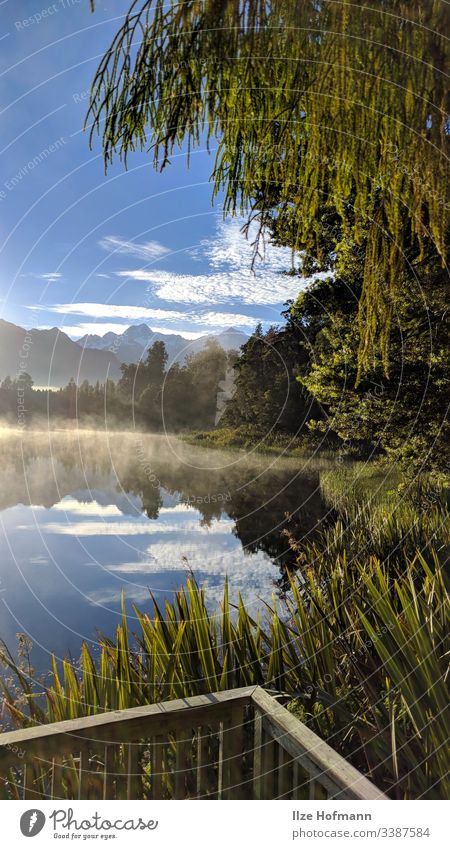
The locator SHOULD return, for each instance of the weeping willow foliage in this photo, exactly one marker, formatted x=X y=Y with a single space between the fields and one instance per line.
x=306 y=103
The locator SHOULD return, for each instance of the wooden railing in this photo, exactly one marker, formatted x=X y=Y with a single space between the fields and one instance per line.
x=238 y=744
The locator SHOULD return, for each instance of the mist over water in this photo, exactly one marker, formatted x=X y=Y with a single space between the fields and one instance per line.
x=86 y=516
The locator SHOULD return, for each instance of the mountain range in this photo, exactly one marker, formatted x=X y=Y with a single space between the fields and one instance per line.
x=130 y=346
x=52 y=358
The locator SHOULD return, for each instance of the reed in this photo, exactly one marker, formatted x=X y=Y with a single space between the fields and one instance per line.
x=359 y=653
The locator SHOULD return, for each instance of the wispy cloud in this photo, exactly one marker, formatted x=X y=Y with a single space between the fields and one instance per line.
x=219 y=288
x=229 y=275
x=122 y=311
x=48 y=276
x=141 y=250
x=230 y=248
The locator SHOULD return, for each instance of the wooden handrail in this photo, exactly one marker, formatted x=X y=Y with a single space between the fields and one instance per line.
x=105 y=726
x=219 y=745
x=317 y=758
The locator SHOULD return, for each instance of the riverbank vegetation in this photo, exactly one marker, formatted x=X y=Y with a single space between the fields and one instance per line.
x=359 y=656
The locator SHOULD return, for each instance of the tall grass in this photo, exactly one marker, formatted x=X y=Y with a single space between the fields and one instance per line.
x=372 y=515
x=361 y=657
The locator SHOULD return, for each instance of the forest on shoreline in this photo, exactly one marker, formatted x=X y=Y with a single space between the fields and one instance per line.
x=297 y=383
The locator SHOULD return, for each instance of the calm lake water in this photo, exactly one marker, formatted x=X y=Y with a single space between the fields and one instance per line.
x=85 y=516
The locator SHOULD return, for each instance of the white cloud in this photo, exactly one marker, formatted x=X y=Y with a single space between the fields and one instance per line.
x=143 y=250
x=87 y=508
x=231 y=249
x=205 y=319
x=252 y=577
x=123 y=529
x=229 y=256
x=50 y=276
x=219 y=288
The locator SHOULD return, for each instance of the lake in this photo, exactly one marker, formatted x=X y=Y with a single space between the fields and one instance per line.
x=86 y=516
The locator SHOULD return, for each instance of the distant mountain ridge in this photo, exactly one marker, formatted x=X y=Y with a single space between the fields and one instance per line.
x=52 y=358
x=131 y=345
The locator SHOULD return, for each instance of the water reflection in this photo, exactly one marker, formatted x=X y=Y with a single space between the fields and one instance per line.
x=86 y=516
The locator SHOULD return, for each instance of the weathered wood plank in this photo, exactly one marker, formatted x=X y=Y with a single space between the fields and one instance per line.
x=300 y=782
x=203 y=759
x=139 y=718
x=317 y=790
x=234 y=753
x=269 y=760
x=108 y=778
x=257 y=756
x=322 y=763
x=221 y=773
x=84 y=776
x=157 y=767
x=182 y=759
x=284 y=774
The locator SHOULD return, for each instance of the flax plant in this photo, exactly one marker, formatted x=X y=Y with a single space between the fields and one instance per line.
x=360 y=656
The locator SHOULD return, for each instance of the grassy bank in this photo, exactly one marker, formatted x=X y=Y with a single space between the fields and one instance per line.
x=245 y=437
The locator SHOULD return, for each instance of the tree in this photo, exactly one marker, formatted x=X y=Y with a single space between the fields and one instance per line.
x=268 y=396
x=205 y=370
x=126 y=384
x=178 y=398
x=149 y=383
x=155 y=364
x=309 y=103
x=406 y=413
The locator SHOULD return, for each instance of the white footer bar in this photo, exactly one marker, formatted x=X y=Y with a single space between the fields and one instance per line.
x=226 y=825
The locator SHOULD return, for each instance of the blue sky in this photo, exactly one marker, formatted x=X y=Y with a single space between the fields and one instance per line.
x=92 y=253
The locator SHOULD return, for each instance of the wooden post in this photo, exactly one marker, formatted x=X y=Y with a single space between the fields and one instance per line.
x=257 y=756
x=157 y=768
x=316 y=790
x=234 y=754
x=284 y=774
x=84 y=784
x=183 y=744
x=71 y=775
x=220 y=765
x=108 y=767
x=269 y=756
x=202 y=761
x=301 y=782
